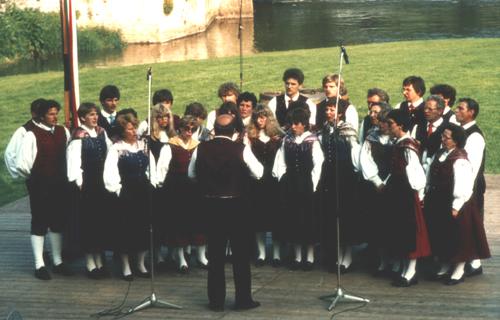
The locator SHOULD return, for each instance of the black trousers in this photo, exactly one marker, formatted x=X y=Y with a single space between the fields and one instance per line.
x=226 y=221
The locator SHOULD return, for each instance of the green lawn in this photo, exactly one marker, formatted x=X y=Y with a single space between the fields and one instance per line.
x=471 y=65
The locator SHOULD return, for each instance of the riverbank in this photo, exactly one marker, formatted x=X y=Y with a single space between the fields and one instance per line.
x=468 y=64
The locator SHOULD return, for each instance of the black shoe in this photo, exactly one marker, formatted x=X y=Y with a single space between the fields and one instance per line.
x=202 y=265
x=295 y=265
x=183 y=270
x=470 y=271
x=439 y=277
x=128 y=277
x=62 y=269
x=216 y=307
x=276 y=263
x=141 y=274
x=402 y=282
x=260 y=263
x=307 y=266
x=451 y=282
x=247 y=306
x=42 y=273
x=94 y=274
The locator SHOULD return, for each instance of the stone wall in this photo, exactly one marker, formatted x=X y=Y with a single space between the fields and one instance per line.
x=145 y=21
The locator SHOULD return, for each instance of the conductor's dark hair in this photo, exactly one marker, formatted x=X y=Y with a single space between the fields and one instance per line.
x=127 y=111
x=196 y=110
x=417 y=83
x=471 y=105
x=294 y=73
x=228 y=87
x=299 y=114
x=85 y=108
x=447 y=91
x=382 y=94
x=343 y=105
x=36 y=104
x=247 y=96
x=109 y=92
x=227 y=130
x=44 y=107
x=231 y=108
x=457 y=134
x=401 y=118
x=163 y=95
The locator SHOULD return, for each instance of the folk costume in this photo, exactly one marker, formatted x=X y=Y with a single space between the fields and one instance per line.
x=279 y=105
x=86 y=154
x=182 y=226
x=42 y=161
x=460 y=239
x=298 y=168
x=221 y=167
x=14 y=145
x=414 y=110
x=339 y=192
x=406 y=237
x=429 y=136
x=351 y=114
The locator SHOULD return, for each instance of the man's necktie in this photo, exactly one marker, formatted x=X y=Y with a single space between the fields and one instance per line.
x=429 y=129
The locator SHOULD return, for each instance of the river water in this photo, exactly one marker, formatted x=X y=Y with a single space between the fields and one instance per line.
x=307 y=24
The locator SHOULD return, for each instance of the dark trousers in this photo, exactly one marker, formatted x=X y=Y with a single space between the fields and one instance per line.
x=226 y=223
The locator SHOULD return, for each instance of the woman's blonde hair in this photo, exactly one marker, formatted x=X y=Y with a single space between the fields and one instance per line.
x=159 y=110
x=272 y=128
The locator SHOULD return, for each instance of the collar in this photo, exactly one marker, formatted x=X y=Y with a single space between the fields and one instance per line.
x=223 y=137
x=469 y=124
x=177 y=141
x=416 y=103
x=91 y=132
x=436 y=123
x=294 y=98
x=302 y=137
x=406 y=136
x=446 y=110
x=44 y=127
x=247 y=120
x=106 y=115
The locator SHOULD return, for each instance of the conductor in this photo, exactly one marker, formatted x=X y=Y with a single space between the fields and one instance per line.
x=222 y=167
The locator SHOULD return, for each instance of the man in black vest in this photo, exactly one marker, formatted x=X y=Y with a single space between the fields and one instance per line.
x=221 y=167
x=448 y=93
x=466 y=113
x=109 y=98
x=428 y=133
x=280 y=105
x=413 y=91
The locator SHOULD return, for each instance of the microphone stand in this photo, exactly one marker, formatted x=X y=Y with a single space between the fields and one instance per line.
x=151 y=300
x=240 y=38
x=339 y=294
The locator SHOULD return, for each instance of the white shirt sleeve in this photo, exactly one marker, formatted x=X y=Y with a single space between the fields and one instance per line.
x=351 y=117
x=192 y=165
x=111 y=176
x=475 y=148
x=415 y=173
x=142 y=129
x=164 y=163
x=26 y=156
x=361 y=139
x=312 y=109
x=355 y=150
x=279 y=166
x=211 y=120
x=272 y=105
x=318 y=158
x=368 y=166
x=256 y=168
x=12 y=150
x=74 y=162
x=464 y=182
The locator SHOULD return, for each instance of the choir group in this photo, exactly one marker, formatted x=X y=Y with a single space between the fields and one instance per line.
x=408 y=181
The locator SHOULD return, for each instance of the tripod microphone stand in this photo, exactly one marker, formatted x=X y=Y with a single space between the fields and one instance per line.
x=151 y=300
x=339 y=294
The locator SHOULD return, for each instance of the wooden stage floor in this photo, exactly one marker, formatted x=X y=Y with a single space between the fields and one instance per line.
x=284 y=294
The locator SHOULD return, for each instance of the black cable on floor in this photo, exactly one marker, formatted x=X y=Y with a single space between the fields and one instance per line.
x=349 y=309
x=115 y=312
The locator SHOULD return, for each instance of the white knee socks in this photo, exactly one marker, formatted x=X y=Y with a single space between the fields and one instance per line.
x=261 y=245
x=56 y=243
x=37 y=246
x=202 y=258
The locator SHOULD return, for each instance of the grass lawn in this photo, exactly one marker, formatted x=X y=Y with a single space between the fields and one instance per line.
x=471 y=65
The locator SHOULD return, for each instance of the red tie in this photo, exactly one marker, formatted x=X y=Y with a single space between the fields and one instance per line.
x=429 y=130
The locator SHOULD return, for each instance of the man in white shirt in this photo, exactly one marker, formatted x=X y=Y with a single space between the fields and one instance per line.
x=448 y=93
x=109 y=98
x=247 y=101
x=293 y=79
x=413 y=92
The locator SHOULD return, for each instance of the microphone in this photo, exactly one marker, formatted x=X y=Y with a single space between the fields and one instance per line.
x=344 y=51
x=148 y=75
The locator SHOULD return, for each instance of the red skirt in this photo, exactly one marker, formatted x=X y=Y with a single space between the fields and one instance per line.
x=422 y=244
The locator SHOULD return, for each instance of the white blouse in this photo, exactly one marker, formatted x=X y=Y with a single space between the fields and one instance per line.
x=414 y=170
x=12 y=150
x=368 y=166
x=74 y=156
x=28 y=151
x=279 y=167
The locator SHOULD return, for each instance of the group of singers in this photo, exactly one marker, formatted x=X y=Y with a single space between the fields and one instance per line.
x=408 y=181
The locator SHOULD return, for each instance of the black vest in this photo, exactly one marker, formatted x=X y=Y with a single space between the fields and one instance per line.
x=281 y=109
x=220 y=168
x=367 y=125
x=417 y=116
x=430 y=143
x=480 y=182
x=446 y=116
